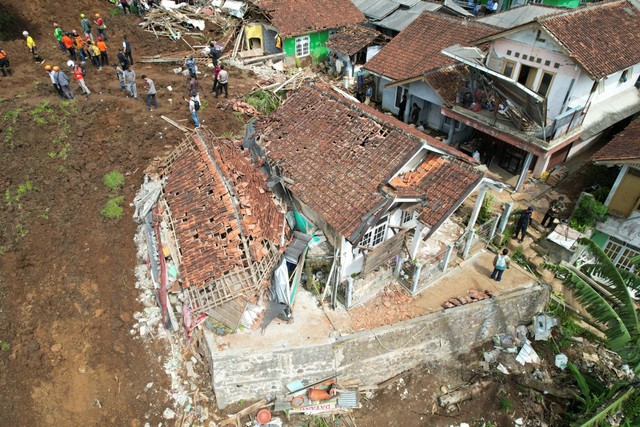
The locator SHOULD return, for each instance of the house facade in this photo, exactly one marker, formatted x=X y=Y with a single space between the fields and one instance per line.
x=400 y=66
x=300 y=28
x=543 y=91
x=619 y=234
x=365 y=180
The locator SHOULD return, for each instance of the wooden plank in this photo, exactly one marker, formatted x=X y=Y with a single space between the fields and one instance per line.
x=383 y=253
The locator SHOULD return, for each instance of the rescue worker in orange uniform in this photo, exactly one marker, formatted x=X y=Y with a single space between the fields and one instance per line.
x=104 y=59
x=68 y=43
x=5 y=66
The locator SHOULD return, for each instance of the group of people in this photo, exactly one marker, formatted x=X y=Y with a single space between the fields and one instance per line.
x=220 y=81
x=555 y=208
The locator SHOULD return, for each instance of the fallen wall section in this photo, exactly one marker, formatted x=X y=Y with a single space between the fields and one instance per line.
x=371 y=356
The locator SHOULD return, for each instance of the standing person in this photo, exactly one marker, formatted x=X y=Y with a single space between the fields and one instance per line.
x=78 y=45
x=78 y=73
x=215 y=50
x=104 y=59
x=151 y=92
x=190 y=63
x=216 y=73
x=415 y=114
x=194 y=106
x=126 y=47
x=122 y=59
x=94 y=53
x=368 y=94
x=102 y=27
x=32 y=47
x=57 y=33
x=500 y=262
x=55 y=84
x=138 y=6
x=119 y=74
x=68 y=45
x=555 y=208
x=125 y=6
x=223 y=82
x=130 y=82
x=86 y=26
x=401 y=107
x=63 y=81
x=5 y=66
x=523 y=222
x=193 y=86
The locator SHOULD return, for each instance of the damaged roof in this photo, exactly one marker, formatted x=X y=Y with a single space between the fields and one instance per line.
x=519 y=15
x=296 y=17
x=623 y=148
x=416 y=49
x=447 y=81
x=338 y=153
x=351 y=39
x=221 y=209
x=603 y=38
x=441 y=182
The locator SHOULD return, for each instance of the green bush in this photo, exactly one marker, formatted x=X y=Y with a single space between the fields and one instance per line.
x=113 y=209
x=263 y=101
x=114 y=180
x=486 y=210
x=588 y=212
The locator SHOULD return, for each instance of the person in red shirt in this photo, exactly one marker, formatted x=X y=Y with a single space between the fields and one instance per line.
x=78 y=73
x=68 y=44
x=103 y=51
x=102 y=27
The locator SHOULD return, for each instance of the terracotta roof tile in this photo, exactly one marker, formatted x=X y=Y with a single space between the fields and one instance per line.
x=603 y=38
x=447 y=81
x=416 y=49
x=351 y=39
x=203 y=213
x=624 y=147
x=441 y=182
x=338 y=153
x=295 y=17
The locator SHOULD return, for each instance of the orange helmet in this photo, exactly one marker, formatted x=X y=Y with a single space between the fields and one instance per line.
x=97 y=15
x=56 y=68
x=47 y=67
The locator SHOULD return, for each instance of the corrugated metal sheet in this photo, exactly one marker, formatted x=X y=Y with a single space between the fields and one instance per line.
x=295 y=248
x=517 y=16
x=376 y=9
x=407 y=3
x=400 y=19
x=348 y=399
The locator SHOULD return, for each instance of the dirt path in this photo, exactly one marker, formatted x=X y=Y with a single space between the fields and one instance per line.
x=66 y=274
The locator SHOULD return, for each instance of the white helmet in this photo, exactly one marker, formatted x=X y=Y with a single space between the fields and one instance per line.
x=25 y=33
x=70 y=63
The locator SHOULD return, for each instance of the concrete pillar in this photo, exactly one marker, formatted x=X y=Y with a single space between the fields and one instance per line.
x=447 y=258
x=398 y=268
x=504 y=219
x=621 y=174
x=418 y=233
x=541 y=165
x=476 y=208
x=523 y=172
x=467 y=245
x=493 y=228
x=416 y=278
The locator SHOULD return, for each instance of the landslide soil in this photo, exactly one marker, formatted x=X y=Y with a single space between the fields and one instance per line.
x=67 y=291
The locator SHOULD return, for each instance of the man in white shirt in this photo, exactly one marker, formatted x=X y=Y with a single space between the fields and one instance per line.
x=223 y=81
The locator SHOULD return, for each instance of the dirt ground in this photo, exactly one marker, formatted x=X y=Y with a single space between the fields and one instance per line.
x=66 y=274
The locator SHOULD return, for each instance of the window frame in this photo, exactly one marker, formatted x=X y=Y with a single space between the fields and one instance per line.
x=376 y=235
x=513 y=68
x=620 y=253
x=553 y=77
x=399 y=92
x=301 y=39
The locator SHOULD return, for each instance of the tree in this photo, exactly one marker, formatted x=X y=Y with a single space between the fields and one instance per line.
x=603 y=290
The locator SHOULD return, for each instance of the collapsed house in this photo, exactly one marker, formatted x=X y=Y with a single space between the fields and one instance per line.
x=364 y=179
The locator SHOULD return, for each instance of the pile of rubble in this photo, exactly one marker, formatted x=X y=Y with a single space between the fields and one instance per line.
x=472 y=296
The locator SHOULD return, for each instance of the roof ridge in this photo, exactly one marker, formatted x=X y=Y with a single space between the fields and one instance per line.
x=589 y=7
x=463 y=21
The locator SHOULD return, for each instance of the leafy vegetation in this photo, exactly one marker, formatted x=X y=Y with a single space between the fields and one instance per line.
x=603 y=290
x=588 y=212
x=114 y=180
x=41 y=112
x=486 y=210
x=263 y=101
x=113 y=208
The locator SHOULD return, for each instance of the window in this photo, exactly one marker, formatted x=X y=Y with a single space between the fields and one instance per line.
x=447 y=121
x=376 y=234
x=620 y=253
x=517 y=55
x=547 y=63
x=624 y=76
x=302 y=46
x=406 y=217
x=399 y=92
x=545 y=83
x=509 y=52
x=509 y=66
x=527 y=76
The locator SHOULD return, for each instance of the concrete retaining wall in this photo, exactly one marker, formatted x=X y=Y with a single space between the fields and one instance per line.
x=372 y=356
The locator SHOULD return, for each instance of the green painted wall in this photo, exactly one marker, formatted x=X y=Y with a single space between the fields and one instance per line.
x=317 y=49
x=599 y=238
x=562 y=3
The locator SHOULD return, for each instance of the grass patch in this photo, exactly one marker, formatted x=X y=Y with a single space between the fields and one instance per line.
x=114 y=180
x=505 y=404
x=113 y=208
x=12 y=115
x=115 y=11
x=41 y=111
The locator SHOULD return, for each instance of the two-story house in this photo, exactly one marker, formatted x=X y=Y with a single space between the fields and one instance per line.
x=543 y=91
x=619 y=234
x=400 y=66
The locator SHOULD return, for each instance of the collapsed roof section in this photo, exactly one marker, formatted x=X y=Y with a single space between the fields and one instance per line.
x=441 y=183
x=297 y=17
x=351 y=39
x=336 y=155
x=624 y=148
x=223 y=215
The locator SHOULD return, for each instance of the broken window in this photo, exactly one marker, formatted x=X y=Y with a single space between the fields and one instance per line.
x=545 y=83
x=376 y=234
x=509 y=66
